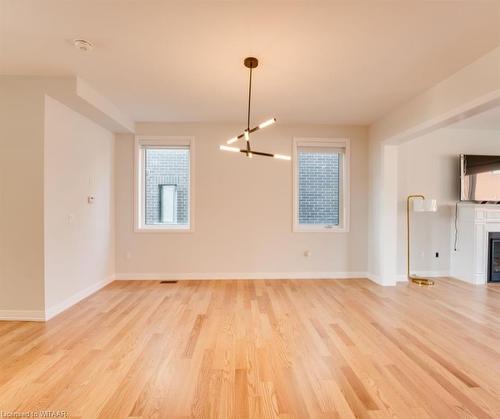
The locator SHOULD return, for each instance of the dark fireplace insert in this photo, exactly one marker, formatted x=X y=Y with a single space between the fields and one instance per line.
x=494 y=257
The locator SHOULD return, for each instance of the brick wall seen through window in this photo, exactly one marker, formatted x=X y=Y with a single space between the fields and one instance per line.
x=167 y=179
x=318 y=188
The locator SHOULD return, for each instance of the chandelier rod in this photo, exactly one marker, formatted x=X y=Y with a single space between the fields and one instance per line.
x=248 y=113
x=251 y=63
x=249 y=99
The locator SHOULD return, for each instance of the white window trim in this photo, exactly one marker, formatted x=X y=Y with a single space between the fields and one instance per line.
x=139 y=203
x=344 y=208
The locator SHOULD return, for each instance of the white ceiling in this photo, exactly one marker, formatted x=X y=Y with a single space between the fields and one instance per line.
x=321 y=61
x=487 y=120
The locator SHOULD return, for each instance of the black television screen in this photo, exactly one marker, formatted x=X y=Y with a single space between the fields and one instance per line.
x=479 y=178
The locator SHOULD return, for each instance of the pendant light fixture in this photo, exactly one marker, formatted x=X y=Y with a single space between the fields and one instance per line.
x=251 y=63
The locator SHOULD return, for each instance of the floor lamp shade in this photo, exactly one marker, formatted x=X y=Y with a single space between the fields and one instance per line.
x=424 y=205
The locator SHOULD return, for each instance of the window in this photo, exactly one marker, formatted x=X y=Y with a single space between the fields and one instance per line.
x=168 y=204
x=164 y=184
x=321 y=184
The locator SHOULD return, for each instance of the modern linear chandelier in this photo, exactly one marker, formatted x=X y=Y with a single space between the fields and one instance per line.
x=251 y=63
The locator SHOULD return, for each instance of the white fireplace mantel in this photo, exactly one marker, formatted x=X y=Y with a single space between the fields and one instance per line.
x=469 y=262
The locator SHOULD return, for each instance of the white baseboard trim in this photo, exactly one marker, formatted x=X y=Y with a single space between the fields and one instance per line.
x=376 y=279
x=240 y=275
x=472 y=279
x=23 y=315
x=425 y=274
x=379 y=281
x=75 y=298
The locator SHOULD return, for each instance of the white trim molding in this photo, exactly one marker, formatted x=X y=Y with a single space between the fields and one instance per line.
x=76 y=298
x=241 y=275
x=377 y=280
x=23 y=315
x=140 y=143
x=49 y=313
x=469 y=261
x=424 y=274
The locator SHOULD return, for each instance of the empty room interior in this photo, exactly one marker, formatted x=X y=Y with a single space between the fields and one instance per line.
x=250 y=209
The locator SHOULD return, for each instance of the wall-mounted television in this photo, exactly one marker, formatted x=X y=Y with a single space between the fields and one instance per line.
x=479 y=178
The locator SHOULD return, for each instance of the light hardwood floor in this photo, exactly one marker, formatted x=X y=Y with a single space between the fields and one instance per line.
x=261 y=349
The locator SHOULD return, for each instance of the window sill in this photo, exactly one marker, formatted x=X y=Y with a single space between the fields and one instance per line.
x=167 y=230
x=319 y=229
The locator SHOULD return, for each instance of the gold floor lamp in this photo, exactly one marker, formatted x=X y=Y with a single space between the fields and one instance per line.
x=420 y=204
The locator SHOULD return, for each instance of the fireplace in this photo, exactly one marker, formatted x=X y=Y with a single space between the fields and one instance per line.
x=493 y=257
x=478 y=238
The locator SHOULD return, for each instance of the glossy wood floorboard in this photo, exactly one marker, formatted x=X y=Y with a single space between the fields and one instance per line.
x=261 y=349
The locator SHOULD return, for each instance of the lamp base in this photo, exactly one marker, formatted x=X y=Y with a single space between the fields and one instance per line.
x=422 y=281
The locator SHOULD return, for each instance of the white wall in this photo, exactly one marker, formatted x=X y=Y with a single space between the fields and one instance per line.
x=382 y=212
x=429 y=165
x=243 y=211
x=46 y=148
x=469 y=91
x=79 y=237
x=21 y=198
